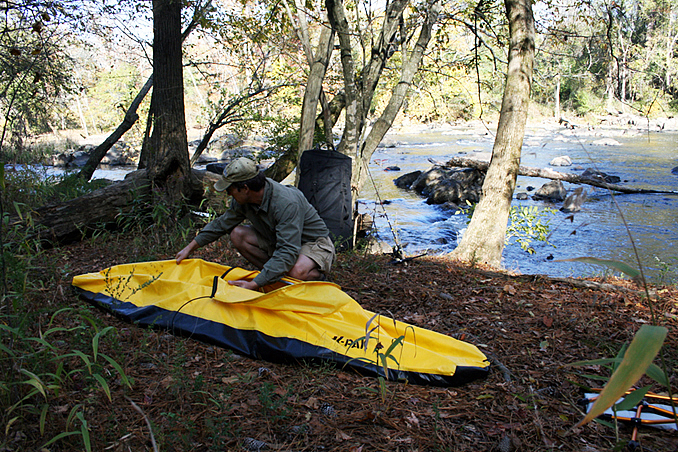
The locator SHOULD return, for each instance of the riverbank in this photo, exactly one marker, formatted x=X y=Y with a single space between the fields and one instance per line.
x=592 y=125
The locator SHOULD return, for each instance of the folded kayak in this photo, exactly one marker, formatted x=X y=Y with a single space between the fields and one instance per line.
x=288 y=321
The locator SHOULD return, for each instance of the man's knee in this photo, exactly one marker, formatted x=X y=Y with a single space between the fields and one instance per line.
x=305 y=269
x=239 y=235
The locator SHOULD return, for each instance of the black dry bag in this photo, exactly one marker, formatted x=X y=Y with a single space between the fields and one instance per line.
x=325 y=180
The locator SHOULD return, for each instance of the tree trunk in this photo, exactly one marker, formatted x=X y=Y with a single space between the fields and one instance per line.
x=285 y=164
x=484 y=238
x=131 y=117
x=556 y=109
x=360 y=84
x=409 y=68
x=313 y=90
x=167 y=148
x=550 y=174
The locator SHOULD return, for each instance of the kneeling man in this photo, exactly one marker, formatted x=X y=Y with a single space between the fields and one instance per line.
x=286 y=236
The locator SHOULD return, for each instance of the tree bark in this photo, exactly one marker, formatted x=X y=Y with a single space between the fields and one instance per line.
x=546 y=173
x=409 y=68
x=73 y=220
x=314 y=86
x=484 y=238
x=167 y=148
x=360 y=84
x=131 y=117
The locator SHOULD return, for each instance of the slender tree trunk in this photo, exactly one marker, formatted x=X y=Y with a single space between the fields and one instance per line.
x=484 y=238
x=359 y=88
x=319 y=63
x=410 y=65
x=131 y=117
x=556 y=109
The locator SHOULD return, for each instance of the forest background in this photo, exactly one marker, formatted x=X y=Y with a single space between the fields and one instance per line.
x=79 y=69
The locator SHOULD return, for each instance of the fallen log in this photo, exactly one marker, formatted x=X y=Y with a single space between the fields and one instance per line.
x=545 y=173
x=75 y=219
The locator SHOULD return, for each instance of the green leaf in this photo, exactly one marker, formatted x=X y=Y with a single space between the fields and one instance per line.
x=34 y=381
x=43 y=418
x=644 y=347
x=58 y=437
x=7 y=351
x=632 y=399
x=399 y=340
x=117 y=367
x=95 y=341
x=615 y=265
x=84 y=357
x=104 y=385
x=9 y=425
x=657 y=375
x=84 y=431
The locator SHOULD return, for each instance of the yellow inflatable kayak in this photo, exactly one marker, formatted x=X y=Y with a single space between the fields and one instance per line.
x=288 y=321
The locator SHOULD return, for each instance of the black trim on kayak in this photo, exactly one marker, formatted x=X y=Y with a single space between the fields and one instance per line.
x=258 y=345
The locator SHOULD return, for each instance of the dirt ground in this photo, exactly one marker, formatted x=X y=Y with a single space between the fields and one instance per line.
x=197 y=397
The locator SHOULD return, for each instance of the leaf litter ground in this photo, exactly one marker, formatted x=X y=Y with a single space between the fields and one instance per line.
x=198 y=397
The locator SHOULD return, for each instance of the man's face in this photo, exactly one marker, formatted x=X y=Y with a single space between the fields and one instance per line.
x=239 y=194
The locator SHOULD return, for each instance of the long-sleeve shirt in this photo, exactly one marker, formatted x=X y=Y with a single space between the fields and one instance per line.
x=284 y=217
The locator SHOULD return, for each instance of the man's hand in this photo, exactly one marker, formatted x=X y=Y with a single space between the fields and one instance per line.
x=183 y=254
x=251 y=285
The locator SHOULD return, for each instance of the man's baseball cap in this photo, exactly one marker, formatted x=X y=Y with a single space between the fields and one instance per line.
x=239 y=170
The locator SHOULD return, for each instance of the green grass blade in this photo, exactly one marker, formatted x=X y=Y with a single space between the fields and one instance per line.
x=658 y=375
x=104 y=385
x=58 y=437
x=34 y=381
x=84 y=431
x=632 y=399
x=95 y=341
x=43 y=418
x=85 y=359
x=644 y=347
x=118 y=368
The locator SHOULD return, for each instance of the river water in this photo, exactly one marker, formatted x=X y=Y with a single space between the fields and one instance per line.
x=641 y=160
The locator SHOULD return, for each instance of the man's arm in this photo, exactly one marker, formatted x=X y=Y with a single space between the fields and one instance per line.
x=184 y=253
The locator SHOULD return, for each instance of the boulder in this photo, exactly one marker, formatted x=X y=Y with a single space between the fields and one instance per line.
x=216 y=168
x=552 y=191
x=241 y=151
x=599 y=175
x=445 y=185
x=120 y=154
x=563 y=160
x=607 y=142
x=406 y=180
x=675 y=171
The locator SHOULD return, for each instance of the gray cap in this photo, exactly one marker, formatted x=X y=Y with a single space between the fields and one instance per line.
x=239 y=170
